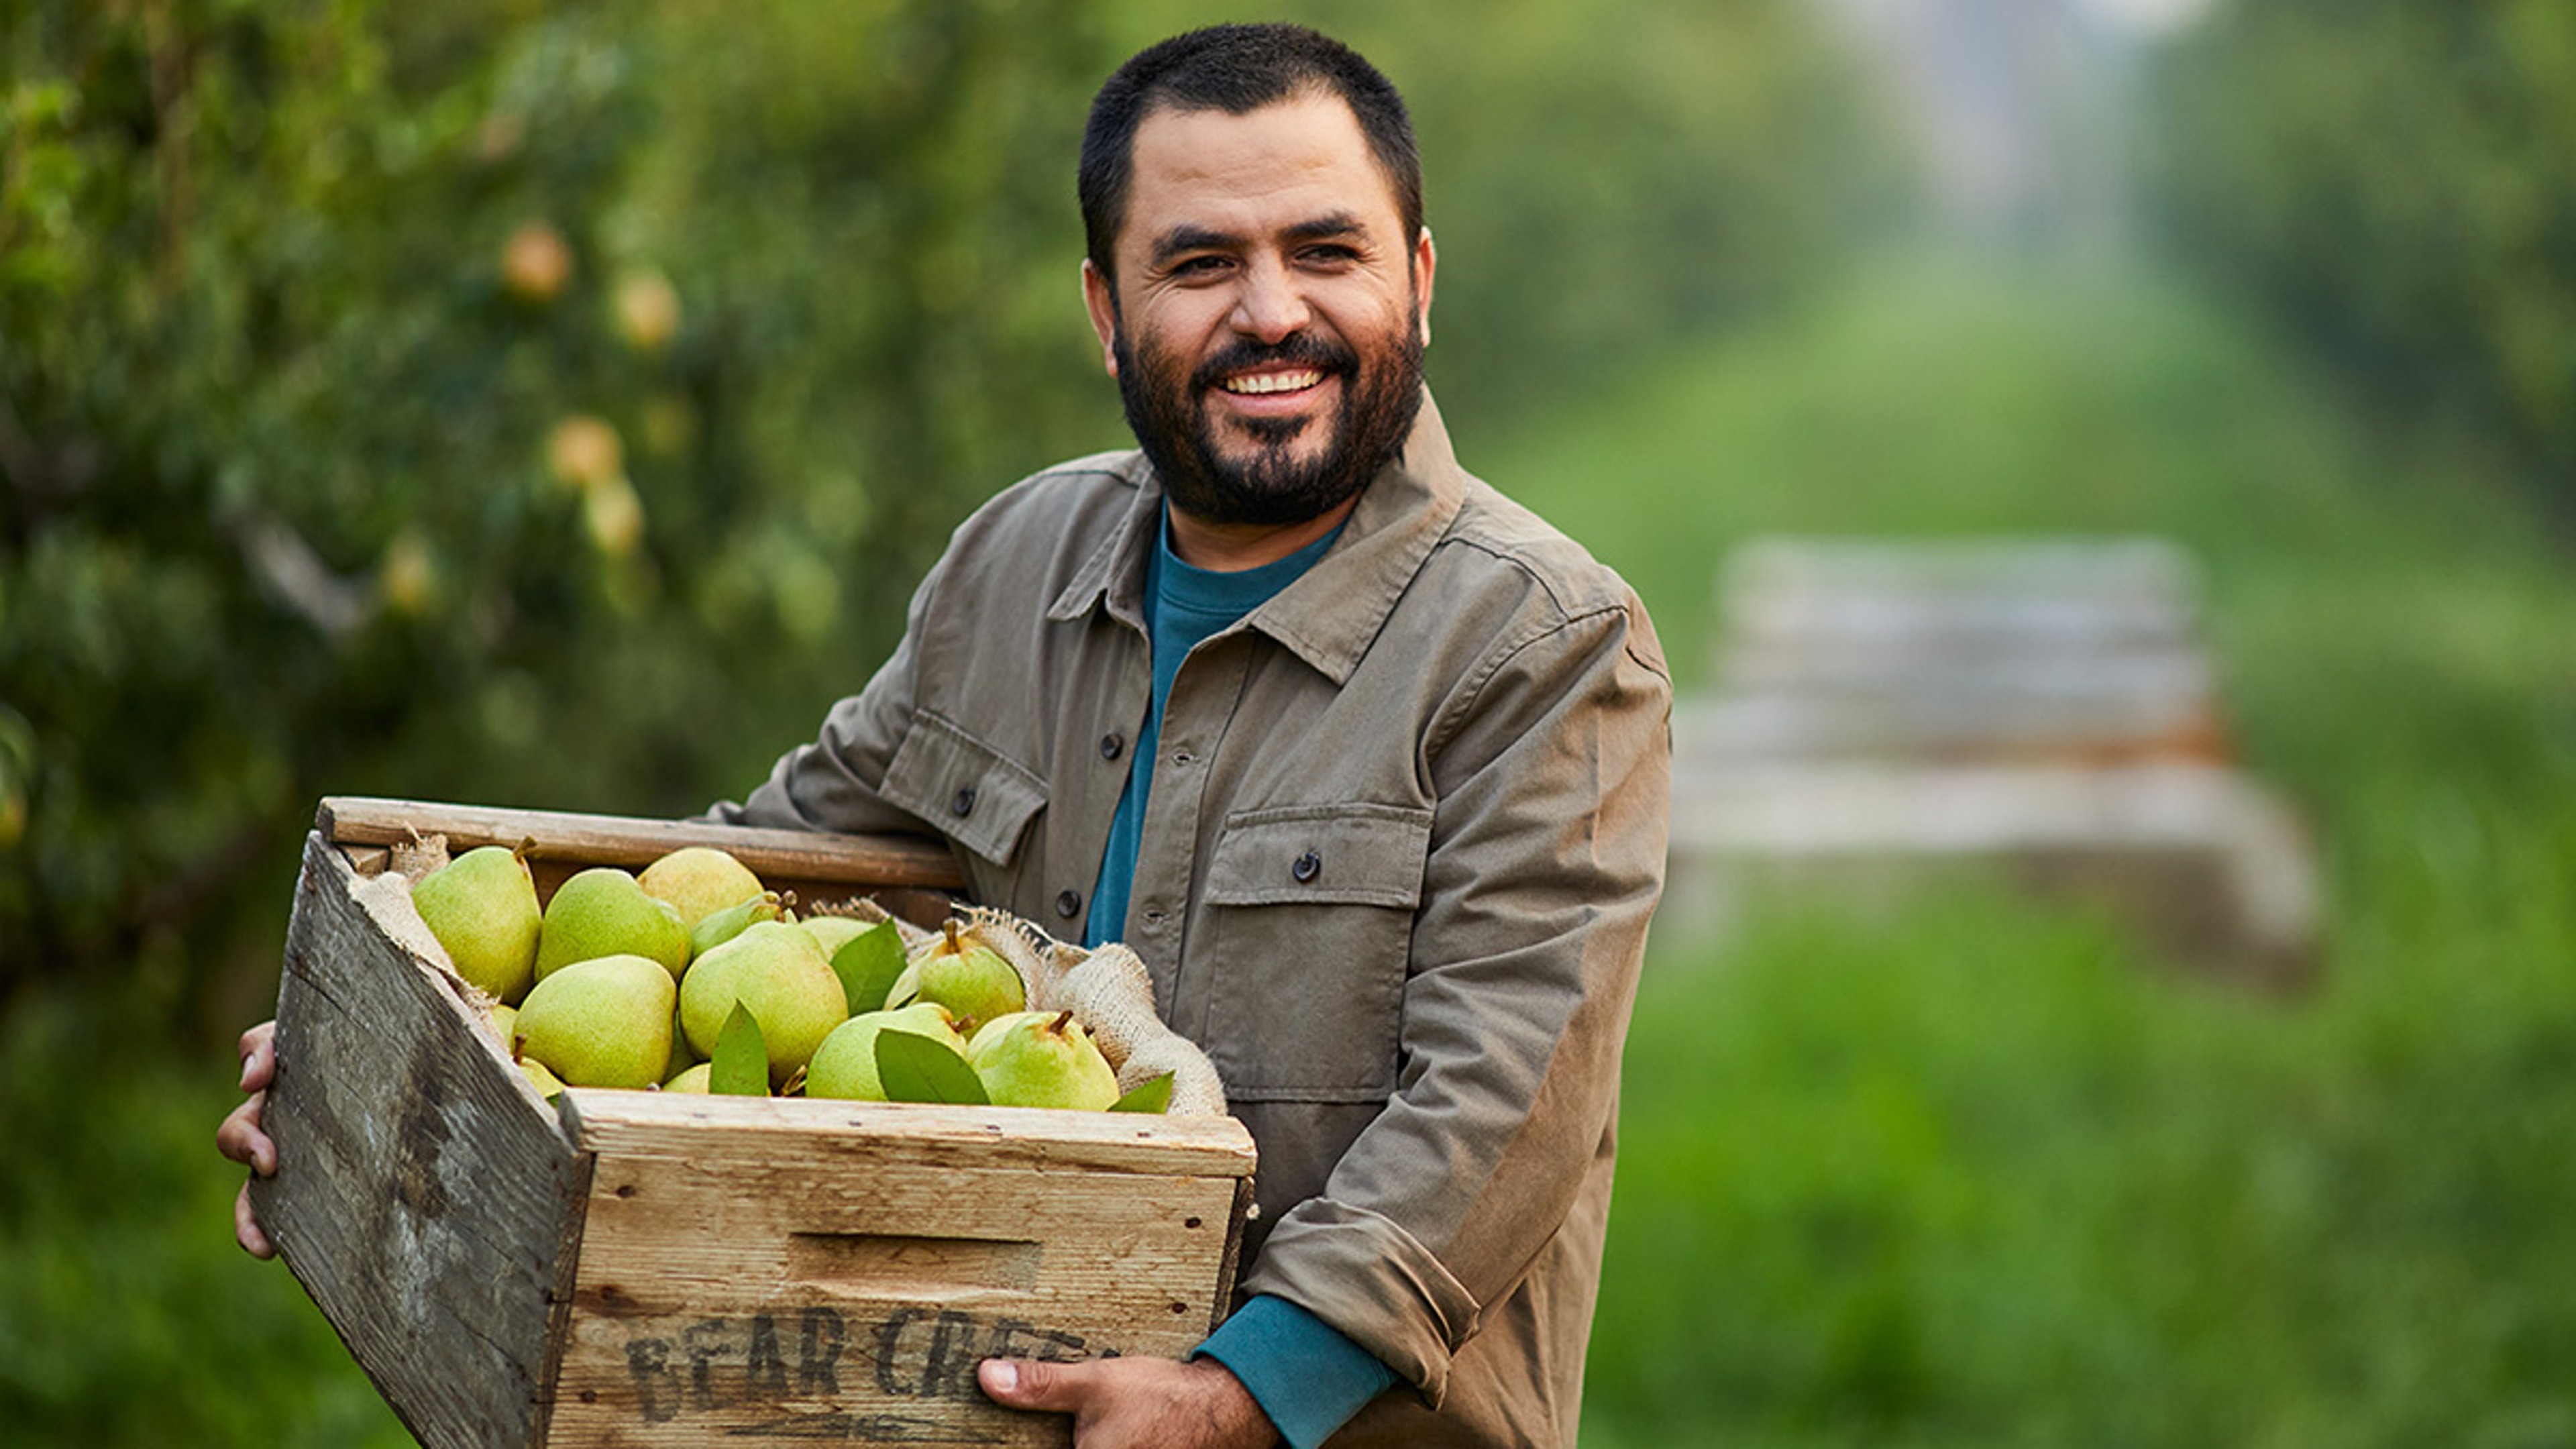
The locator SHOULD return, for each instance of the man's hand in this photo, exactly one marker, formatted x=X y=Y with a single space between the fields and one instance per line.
x=241 y=1139
x=1143 y=1401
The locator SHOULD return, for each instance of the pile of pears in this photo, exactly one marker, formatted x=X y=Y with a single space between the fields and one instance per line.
x=691 y=976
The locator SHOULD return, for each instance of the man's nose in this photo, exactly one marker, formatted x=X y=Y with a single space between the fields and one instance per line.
x=1270 y=307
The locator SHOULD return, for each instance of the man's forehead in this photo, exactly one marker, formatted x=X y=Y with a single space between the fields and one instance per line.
x=1305 y=153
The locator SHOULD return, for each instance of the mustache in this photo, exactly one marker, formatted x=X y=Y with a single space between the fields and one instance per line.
x=1298 y=349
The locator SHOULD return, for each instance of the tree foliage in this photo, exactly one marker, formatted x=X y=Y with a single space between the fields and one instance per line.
x=2391 y=178
x=554 y=405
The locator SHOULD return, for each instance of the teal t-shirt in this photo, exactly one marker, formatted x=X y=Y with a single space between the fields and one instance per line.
x=1183 y=605
x=1306 y=1375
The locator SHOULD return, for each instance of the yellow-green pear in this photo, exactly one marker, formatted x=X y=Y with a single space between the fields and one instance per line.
x=549 y=1086
x=845 y=1065
x=505 y=1025
x=781 y=974
x=603 y=911
x=699 y=880
x=682 y=1056
x=605 y=1022
x=1042 y=1059
x=691 y=1079
x=717 y=927
x=835 y=931
x=482 y=906
x=973 y=982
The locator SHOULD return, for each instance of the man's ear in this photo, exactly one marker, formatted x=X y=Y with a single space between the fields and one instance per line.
x=1103 y=306
x=1424 y=259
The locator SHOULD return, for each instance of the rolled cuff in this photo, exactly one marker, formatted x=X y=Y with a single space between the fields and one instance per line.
x=1305 y=1374
x=1376 y=1283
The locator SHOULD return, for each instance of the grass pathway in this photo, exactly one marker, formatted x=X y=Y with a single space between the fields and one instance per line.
x=1970 y=1171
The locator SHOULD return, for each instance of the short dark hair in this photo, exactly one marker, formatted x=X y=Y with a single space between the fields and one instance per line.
x=1236 y=69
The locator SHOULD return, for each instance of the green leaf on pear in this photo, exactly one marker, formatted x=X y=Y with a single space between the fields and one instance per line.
x=868 y=964
x=740 y=1066
x=1154 y=1094
x=916 y=1069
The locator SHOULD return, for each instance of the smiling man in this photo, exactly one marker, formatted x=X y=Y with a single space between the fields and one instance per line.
x=1368 y=763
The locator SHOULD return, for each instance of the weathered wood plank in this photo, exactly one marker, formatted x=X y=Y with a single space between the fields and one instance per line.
x=833 y=1134
x=774 y=855
x=425 y=1197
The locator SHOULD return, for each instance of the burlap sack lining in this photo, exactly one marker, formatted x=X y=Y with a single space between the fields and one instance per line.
x=1108 y=990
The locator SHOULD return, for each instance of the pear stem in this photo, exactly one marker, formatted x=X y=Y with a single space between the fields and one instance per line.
x=950 y=925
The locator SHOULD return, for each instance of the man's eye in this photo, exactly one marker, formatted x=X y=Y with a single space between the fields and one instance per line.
x=1332 y=255
x=1197 y=266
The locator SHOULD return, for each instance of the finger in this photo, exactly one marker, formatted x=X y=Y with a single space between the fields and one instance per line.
x=1029 y=1384
x=246 y=1229
x=258 y=1056
x=241 y=1139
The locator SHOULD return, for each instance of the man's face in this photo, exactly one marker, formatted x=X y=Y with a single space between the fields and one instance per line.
x=1268 y=316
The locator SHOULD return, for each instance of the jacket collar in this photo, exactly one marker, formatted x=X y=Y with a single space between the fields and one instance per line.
x=1330 y=616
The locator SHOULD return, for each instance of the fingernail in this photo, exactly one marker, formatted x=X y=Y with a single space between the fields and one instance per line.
x=1006 y=1375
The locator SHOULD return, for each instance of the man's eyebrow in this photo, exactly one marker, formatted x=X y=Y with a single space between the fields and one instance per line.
x=1187 y=238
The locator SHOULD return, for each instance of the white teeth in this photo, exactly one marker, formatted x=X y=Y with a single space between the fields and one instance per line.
x=1273 y=382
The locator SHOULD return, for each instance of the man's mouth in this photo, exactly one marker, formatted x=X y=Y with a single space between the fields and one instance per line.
x=1260 y=384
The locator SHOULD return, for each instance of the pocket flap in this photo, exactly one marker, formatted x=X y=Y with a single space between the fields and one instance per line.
x=1350 y=854
x=964 y=788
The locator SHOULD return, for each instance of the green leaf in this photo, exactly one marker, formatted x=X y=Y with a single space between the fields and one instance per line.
x=917 y=1069
x=867 y=964
x=1154 y=1094
x=740 y=1066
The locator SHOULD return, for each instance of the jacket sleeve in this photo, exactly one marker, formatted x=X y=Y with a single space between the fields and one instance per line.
x=834 y=783
x=1552 y=766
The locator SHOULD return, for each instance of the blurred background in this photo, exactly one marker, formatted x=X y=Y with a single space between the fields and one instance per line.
x=553 y=405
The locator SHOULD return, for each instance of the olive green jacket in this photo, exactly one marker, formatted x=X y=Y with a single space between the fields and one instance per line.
x=1404 y=836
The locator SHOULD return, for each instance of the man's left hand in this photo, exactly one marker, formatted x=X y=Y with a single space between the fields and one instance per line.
x=1143 y=1401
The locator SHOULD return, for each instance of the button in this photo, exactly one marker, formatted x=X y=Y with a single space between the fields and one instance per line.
x=1182 y=757
x=1111 y=747
x=1153 y=915
x=1308 y=866
x=963 y=802
x=1068 y=904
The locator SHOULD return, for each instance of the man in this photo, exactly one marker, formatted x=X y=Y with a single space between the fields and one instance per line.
x=1366 y=762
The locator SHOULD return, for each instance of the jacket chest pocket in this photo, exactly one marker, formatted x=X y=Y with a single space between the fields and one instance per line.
x=964 y=788
x=1309 y=925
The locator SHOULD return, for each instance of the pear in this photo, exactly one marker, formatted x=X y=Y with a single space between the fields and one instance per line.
x=605 y=1022
x=549 y=1086
x=682 y=1055
x=782 y=975
x=691 y=1079
x=717 y=927
x=835 y=931
x=505 y=1025
x=845 y=1065
x=699 y=880
x=1042 y=1059
x=603 y=911
x=973 y=982
x=482 y=906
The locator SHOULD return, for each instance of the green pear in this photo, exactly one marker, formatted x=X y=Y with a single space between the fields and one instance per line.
x=717 y=927
x=835 y=931
x=1042 y=1059
x=505 y=1025
x=482 y=906
x=549 y=1085
x=973 y=982
x=690 y=1079
x=845 y=1065
x=778 y=971
x=699 y=880
x=605 y=1022
x=603 y=911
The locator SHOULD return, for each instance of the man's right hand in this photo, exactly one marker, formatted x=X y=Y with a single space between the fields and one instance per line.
x=241 y=1139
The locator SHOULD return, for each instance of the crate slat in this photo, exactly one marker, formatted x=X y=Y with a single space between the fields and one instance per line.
x=424 y=1197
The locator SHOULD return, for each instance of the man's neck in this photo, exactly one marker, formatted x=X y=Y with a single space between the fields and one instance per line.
x=1232 y=547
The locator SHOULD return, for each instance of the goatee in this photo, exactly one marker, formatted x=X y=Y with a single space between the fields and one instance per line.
x=1273 y=485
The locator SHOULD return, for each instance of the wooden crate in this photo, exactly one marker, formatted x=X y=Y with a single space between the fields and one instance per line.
x=630 y=1268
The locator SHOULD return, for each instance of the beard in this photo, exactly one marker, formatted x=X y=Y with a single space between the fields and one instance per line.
x=1274 y=484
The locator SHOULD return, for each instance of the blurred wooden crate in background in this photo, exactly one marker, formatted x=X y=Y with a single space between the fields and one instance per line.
x=1887 y=710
